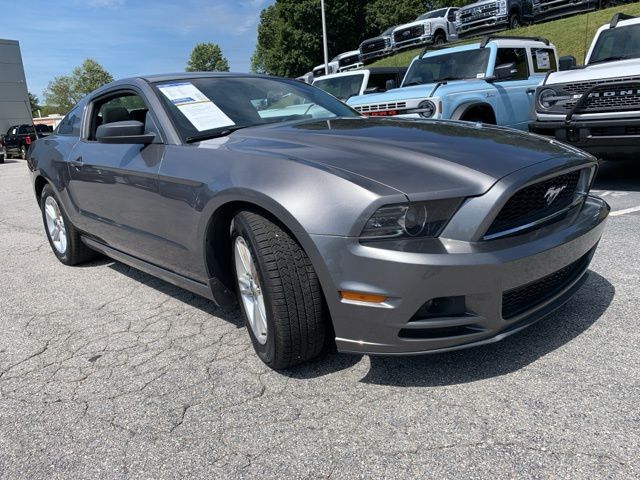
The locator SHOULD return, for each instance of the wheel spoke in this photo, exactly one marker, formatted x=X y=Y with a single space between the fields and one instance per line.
x=50 y=211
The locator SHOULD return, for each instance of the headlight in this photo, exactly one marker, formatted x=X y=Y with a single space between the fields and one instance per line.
x=549 y=98
x=420 y=219
x=427 y=29
x=427 y=109
x=502 y=7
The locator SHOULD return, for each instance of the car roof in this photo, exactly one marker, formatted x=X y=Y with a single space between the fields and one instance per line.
x=498 y=42
x=361 y=71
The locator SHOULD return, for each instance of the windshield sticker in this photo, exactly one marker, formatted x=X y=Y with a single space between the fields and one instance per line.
x=480 y=75
x=543 y=62
x=196 y=106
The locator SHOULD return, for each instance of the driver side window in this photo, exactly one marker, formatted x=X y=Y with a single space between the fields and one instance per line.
x=118 y=108
x=516 y=56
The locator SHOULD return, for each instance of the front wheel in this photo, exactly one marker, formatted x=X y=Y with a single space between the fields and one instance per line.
x=439 y=39
x=514 y=21
x=278 y=291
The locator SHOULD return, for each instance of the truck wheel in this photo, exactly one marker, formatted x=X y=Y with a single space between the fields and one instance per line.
x=514 y=21
x=278 y=291
x=23 y=152
x=439 y=39
x=605 y=4
x=63 y=237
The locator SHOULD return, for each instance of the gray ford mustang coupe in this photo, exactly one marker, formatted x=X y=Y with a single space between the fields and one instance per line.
x=384 y=236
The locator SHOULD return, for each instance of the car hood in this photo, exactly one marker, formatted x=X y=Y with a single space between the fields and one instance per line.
x=598 y=71
x=404 y=93
x=422 y=159
x=415 y=23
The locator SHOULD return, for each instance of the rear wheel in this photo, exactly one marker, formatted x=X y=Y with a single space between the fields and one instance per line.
x=278 y=291
x=63 y=237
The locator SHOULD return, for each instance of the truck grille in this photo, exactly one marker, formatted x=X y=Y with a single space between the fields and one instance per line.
x=527 y=297
x=408 y=33
x=374 y=45
x=380 y=107
x=350 y=60
x=609 y=103
x=536 y=202
x=472 y=14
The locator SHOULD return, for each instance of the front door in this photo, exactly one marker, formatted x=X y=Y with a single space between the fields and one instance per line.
x=515 y=93
x=115 y=186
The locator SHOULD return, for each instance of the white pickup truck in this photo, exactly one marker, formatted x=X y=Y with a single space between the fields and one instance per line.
x=435 y=27
x=597 y=107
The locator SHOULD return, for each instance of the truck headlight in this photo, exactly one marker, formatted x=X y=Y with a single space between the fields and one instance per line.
x=419 y=219
x=549 y=98
x=427 y=29
x=502 y=7
x=426 y=109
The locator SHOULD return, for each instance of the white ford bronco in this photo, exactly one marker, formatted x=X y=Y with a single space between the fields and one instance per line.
x=597 y=107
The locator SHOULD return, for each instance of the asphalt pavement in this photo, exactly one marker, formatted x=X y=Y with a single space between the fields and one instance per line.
x=106 y=372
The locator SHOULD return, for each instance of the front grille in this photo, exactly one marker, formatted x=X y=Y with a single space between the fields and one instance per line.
x=374 y=45
x=350 y=60
x=527 y=297
x=536 y=202
x=472 y=14
x=408 y=33
x=604 y=103
x=380 y=106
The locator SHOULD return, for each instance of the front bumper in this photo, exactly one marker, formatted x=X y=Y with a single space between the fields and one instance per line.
x=413 y=41
x=480 y=272
x=485 y=25
x=610 y=139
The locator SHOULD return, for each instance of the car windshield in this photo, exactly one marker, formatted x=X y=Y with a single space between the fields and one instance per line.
x=343 y=87
x=434 y=14
x=211 y=106
x=617 y=44
x=449 y=66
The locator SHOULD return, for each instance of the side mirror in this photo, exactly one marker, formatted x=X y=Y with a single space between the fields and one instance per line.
x=567 y=62
x=504 y=71
x=390 y=84
x=128 y=131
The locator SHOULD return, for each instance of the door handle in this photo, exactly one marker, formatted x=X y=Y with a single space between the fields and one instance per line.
x=77 y=163
x=531 y=91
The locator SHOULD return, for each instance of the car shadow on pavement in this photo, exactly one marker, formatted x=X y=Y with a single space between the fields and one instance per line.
x=501 y=358
x=622 y=175
x=231 y=314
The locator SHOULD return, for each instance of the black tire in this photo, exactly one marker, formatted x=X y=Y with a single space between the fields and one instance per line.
x=23 y=152
x=291 y=291
x=2 y=159
x=76 y=252
x=439 y=39
x=605 y=4
x=514 y=21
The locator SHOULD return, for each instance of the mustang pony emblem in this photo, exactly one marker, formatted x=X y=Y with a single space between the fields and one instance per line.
x=553 y=193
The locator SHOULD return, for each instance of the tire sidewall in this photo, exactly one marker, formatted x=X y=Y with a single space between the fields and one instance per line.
x=46 y=193
x=266 y=351
x=439 y=40
x=514 y=21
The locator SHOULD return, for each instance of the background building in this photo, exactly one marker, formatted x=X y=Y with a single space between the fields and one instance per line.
x=14 y=98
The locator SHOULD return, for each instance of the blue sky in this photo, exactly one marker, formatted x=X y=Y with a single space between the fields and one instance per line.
x=128 y=37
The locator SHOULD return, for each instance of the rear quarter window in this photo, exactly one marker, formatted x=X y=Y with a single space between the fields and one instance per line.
x=544 y=60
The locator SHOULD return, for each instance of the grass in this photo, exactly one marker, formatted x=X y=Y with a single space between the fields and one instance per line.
x=571 y=36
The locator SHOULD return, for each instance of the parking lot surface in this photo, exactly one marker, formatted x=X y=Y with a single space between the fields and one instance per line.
x=106 y=372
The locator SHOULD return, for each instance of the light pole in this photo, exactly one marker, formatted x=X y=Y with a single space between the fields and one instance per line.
x=324 y=40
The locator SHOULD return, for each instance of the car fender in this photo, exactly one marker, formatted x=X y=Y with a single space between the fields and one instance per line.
x=458 y=110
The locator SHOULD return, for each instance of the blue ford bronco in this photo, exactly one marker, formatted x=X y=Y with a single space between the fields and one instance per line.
x=493 y=82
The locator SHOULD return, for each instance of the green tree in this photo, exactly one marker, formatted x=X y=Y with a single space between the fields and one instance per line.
x=34 y=101
x=65 y=91
x=382 y=14
x=207 y=57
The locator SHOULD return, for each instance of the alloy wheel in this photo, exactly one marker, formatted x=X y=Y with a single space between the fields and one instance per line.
x=55 y=225
x=250 y=290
